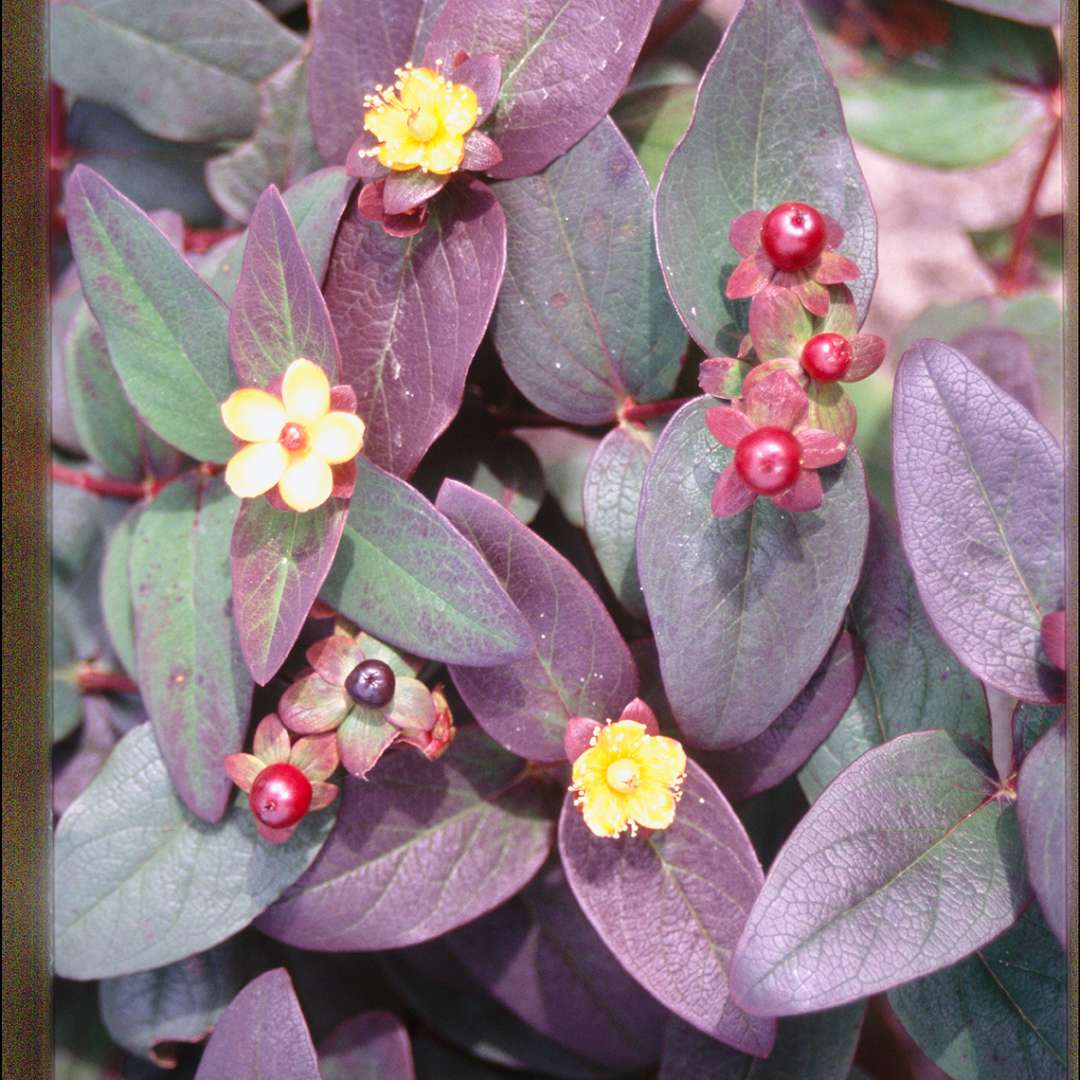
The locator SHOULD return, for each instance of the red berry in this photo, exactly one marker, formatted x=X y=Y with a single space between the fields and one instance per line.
x=280 y=796
x=827 y=357
x=768 y=460
x=371 y=683
x=793 y=235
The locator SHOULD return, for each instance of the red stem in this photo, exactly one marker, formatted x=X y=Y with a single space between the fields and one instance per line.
x=650 y=409
x=103 y=485
x=661 y=31
x=100 y=682
x=201 y=241
x=1009 y=283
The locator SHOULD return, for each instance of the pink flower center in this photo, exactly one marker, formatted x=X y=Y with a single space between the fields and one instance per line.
x=293 y=437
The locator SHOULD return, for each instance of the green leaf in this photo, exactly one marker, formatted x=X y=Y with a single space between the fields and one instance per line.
x=564 y=456
x=281 y=150
x=911 y=681
x=140 y=882
x=194 y=682
x=115 y=586
x=184 y=72
x=654 y=119
x=167 y=332
x=1001 y=1012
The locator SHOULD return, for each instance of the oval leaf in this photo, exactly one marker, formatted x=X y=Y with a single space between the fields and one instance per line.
x=140 y=882
x=421 y=849
x=578 y=664
x=167 y=332
x=654 y=119
x=348 y=59
x=700 y=875
x=371 y=1046
x=187 y=73
x=583 y=319
x=1043 y=789
x=907 y=862
x=149 y=1012
x=409 y=314
x=796 y=733
x=911 y=681
x=1000 y=1012
x=262 y=1035
x=191 y=672
x=731 y=599
x=539 y=955
x=612 y=495
x=563 y=61
x=818 y=1047
x=406 y=575
x=766 y=129
x=278 y=313
x=115 y=587
x=980 y=495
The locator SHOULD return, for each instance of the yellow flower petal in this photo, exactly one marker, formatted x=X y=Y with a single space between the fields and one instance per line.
x=307 y=482
x=621 y=739
x=387 y=125
x=253 y=415
x=459 y=112
x=444 y=155
x=652 y=806
x=255 y=469
x=590 y=767
x=662 y=761
x=338 y=437
x=604 y=812
x=305 y=392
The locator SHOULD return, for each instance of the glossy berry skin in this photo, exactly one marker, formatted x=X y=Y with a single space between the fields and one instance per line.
x=827 y=357
x=793 y=235
x=371 y=683
x=280 y=796
x=767 y=460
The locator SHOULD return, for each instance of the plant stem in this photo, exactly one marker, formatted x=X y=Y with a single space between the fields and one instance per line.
x=102 y=485
x=200 y=241
x=1010 y=276
x=92 y=681
x=650 y=409
x=661 y=31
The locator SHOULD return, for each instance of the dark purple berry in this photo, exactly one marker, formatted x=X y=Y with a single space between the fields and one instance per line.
x=280 y=796
x=371 y=683
x=827 y=357
x=768 y=460
x=793 y=235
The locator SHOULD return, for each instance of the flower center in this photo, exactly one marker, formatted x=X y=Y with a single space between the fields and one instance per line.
x=293 y=437
x=623 y=775
x=422 y=124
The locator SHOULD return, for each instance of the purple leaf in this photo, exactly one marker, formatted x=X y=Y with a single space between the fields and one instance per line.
x=191 y=673
x=149 y=1013
x=979 y=492
x=1043 y=790
x=583 y=319
x=817 y=1047
x=357 y=44
x=563 y=64
x=539 y=955
x=745 y=608
x=73 y=772
x=796 y=733
x=278 y=313
x=767 y=128
x=420 y=848
x=671 y=905
x=1005 y=355
x=371 y=1046
x=409 y=315
x=407 y=576
x=611 y=496
x=280 y=560
x=262 y=1035
x=564 y=456
x=911 y=681
x=906 y=863
x=578 y=665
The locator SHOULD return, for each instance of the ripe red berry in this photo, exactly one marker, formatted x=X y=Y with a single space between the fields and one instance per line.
x=793 y=235
x=371 y=683
x=280 y=796
x=827 y=357
x=768 y=460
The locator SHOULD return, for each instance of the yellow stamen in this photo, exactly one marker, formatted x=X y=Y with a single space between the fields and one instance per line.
x=623 y=775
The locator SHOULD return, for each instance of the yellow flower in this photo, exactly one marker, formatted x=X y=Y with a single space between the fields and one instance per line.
x=421 y=121
x=292 y=439
x=628 y=778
